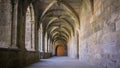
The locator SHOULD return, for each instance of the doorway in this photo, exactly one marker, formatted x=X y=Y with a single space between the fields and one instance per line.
x=60 y=50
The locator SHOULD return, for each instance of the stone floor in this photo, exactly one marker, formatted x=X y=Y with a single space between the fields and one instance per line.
x=60 y=62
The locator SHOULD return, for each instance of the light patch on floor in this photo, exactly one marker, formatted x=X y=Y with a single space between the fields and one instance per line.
x=60 y=62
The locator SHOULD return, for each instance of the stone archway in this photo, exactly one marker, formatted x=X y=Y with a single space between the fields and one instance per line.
x=30 y=29
x=60 y=50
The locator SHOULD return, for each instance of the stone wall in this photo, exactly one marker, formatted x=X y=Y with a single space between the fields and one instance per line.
x=45 y=55
x=72 y=47
x=5 y=23
x=100 y=33
x=9 y=58
x=14 y=58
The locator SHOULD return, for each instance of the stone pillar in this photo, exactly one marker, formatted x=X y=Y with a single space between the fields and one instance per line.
x=45 y=46
x=48 y=45
x=78 y=45
x=43 y=42
x=39 y=40
x=14 y=23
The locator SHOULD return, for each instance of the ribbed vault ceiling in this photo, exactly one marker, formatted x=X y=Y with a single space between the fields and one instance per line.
x=59 y=20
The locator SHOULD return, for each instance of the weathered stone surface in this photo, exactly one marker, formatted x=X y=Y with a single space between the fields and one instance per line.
x=5 y=23
x=101 y=46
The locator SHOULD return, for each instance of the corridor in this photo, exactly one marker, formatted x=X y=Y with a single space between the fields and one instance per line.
x=32 y=32
x=60 y=62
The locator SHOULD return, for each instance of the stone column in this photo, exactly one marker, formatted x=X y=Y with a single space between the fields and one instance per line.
x=14 y=4
x=43 y=44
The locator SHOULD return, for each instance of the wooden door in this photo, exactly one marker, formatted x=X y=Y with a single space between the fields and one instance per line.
x=60 y=50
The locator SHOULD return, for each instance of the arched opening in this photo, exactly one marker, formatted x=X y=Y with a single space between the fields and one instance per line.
x=60 y=50
x=30 y=29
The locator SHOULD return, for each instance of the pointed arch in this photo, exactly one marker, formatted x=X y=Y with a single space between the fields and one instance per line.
x=67 y=14
x=63 y=33
x=62 y=36
x=68 y=28
x=56 y=31
x=48 y=7
x=67 y=7
x=71 y=10
x=61 y=39
x=63 y=20
x=30 y=29
x=53 y=30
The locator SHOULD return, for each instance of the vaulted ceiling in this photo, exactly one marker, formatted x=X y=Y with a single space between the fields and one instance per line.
x=60 y=19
